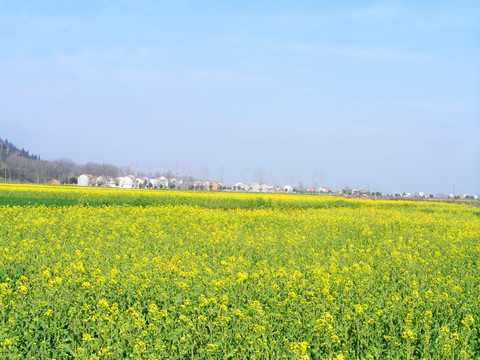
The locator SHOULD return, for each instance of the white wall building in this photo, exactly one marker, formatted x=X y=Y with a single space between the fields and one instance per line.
x=106 y=181
x=84 y=180
x=126 y=182
x=162 y=182
x=261 y=187
x=153 y=183
x=241 y=186
x=141 y=182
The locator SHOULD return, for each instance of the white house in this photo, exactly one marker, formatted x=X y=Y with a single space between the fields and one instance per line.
x=153 y=183
x=84 y=180
x=100 y=180
x=257 y=187
x=177 y=183
x=110 y=182
x=162 y=182
x=241 y=186
x=141 y=182
x=288 y=188
x=126 y=182
x=261 y=187
x=106 y=181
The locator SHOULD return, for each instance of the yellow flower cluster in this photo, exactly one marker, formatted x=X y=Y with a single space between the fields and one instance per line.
x=235 y=276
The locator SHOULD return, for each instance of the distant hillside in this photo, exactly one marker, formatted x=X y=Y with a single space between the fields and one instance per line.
x=8 y=149
x=19 y=165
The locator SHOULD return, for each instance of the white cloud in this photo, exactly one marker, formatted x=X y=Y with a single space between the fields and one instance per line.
x=228 y=78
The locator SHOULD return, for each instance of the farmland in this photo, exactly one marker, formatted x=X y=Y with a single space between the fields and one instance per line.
x=108 y=274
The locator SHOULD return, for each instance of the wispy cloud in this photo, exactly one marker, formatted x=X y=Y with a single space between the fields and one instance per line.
x=374 y=53
x=380 y=10
x=227 y=78
x=36 y=21
x=85 y=69
x=377 y=53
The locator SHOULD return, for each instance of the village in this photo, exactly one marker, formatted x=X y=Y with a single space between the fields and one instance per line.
x=18 y=165
x=162 y=182
x=175 y=183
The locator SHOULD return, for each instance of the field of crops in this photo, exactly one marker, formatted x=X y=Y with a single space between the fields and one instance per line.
x=111 y=274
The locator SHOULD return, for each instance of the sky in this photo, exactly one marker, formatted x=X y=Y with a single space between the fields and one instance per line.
x=383 y=95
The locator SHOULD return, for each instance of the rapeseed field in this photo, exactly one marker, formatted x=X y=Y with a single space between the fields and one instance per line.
x=112 y=274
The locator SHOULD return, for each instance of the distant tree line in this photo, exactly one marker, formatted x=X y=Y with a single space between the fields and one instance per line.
x=19 y=165
x=22 y=169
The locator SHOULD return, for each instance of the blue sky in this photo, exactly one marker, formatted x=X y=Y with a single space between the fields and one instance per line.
x=378 y=94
